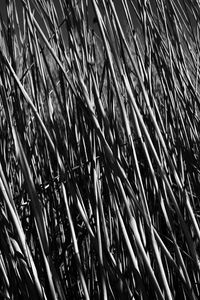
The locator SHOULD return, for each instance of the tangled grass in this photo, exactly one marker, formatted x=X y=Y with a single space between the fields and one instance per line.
x=99 y=150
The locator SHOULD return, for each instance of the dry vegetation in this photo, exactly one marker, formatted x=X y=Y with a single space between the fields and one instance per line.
x=99 y=150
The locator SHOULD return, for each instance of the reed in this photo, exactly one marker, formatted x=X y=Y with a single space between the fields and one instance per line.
x=99 y=150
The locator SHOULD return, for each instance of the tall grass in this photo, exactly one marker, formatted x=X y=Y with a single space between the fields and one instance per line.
x=99 y=150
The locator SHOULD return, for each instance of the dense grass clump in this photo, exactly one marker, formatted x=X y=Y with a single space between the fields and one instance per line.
x=99 y=150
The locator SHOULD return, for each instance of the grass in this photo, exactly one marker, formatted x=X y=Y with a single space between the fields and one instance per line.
x=99 y=150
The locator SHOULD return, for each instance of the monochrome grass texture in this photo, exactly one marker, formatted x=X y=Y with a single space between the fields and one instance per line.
x=100 y=150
